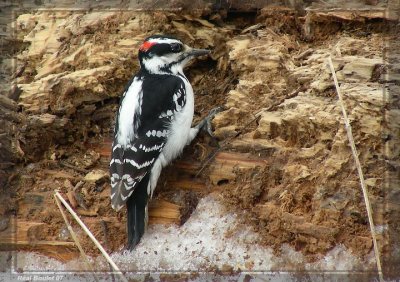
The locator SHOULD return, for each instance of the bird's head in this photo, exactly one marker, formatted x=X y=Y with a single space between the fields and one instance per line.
x=166 y=54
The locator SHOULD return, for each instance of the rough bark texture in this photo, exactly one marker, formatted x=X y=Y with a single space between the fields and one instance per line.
x=281 y=152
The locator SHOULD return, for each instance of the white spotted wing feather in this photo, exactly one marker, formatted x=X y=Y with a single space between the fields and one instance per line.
x=143 y=126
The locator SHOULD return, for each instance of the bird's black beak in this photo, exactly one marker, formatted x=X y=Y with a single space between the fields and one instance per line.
x=197 y=52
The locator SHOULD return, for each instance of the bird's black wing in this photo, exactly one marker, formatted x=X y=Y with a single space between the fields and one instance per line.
x=160 y=98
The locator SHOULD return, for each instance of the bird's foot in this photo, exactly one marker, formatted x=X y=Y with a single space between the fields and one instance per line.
x=205 y=124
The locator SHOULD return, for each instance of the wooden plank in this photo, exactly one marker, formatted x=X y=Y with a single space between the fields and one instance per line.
x=295 y=223
x=62 y=251
x=164 y=212
x=223 y=167
x=26 y=235
x=181 y=174
x=23 y=231
x=187 y=183
x=160 y=212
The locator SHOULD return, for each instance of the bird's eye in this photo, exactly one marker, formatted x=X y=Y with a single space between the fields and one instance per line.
x=176 y=47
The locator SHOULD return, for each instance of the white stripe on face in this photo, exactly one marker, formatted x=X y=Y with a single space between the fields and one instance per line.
x=164 y=40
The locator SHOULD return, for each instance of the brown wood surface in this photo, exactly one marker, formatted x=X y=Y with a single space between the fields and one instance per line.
x=26 y=235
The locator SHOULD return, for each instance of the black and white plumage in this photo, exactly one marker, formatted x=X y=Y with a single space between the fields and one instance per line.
x=153 y=125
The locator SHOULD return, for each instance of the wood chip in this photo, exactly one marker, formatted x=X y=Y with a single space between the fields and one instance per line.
x=71 y=198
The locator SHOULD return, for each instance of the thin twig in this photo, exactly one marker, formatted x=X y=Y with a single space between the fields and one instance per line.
x=78 y=185
x=75 y=238
x=87 y=231
x=209 y=159
x=359 y=169
x=78 y=169
x=304 y=54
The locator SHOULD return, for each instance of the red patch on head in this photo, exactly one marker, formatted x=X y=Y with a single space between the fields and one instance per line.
x=146 y=46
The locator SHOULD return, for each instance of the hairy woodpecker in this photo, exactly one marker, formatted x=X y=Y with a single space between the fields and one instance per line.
x=153 y=124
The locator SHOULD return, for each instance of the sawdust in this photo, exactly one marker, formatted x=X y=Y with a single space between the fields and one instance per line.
x=310 y=182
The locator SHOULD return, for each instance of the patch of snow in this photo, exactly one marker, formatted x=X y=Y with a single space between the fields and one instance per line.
x=337 y=259
x=211 y=239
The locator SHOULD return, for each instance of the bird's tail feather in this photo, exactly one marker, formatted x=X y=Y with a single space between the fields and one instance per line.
x=137 y=213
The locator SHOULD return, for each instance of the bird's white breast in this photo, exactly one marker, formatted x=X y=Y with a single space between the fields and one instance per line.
x=180 y=127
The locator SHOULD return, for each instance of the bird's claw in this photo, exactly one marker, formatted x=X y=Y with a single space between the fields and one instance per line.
x=205 y=124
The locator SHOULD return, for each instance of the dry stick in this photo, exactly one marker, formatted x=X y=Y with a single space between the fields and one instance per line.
x=78 y=169
x=75 y=238
x=98 y=245
x=359 y=169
